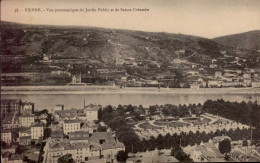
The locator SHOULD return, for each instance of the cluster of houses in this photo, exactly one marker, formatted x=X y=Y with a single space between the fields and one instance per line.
x=209 y=151
x=225 y=78
x=70 y=132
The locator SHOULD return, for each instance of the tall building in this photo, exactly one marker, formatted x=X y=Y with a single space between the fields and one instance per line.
x=10 y=105
x=37 y=131
x=27 y=120
x=71 y=126
x=6 y=136
x=91 y=112
x=27 y=107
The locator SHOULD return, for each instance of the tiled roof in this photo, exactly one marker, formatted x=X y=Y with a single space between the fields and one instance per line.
x=72 y=121
x=27 y=115
x=25 y=137
x=109 y=143
x=24 y=130
x=16 y=157
x=92 y=107
x=37 y=125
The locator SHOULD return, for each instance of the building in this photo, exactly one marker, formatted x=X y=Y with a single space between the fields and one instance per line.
x=214 y=61
x=58 y=107
x=108 y=143
x=247 y=76
x=193 y=73
x=218 y=74
x=66 y=115
x=25 y=140
x=214 y=83
x=27 y=107
x=245 y=154
x=91 y=112
x=194 y=86
x=57 y=134
x=89 y=127
x=81 y=152
x=24 y=131
x=79 y=137
x=7 y=136
x=213 y=66
x=205 y=152
x=256 y=84
x=10 y=105
x=71 y=126
x=11 y=121
x=37 y=131
x=12 y=158
x=76 y=79
x=10 y=149
x=26 y=120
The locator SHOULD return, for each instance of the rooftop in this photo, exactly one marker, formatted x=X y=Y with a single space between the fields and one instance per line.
x=37 y=125
x=25 y=137
x=109 y=141
x=72 y=121
x=92 y=107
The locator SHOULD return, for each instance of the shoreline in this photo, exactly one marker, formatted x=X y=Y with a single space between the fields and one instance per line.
x=116 y=90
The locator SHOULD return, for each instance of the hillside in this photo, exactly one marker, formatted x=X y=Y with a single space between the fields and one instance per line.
x=247 y=40
x=103 y=45
x=23 y=47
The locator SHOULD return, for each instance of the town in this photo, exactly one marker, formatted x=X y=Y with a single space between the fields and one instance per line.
x=95 y=133
x=122 y=58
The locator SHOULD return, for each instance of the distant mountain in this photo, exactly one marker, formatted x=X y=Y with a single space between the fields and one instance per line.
x=248 y=40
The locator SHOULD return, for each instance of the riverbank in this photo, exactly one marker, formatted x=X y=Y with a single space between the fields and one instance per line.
x=117 y=90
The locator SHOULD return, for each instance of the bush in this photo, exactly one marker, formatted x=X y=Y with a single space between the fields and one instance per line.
x=121 y=156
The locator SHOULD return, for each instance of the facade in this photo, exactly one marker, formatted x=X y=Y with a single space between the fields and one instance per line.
x=218 y=74
x=24 y=132
x=6 y=136
x=256 y=84
x=10 y=105
x=194 y=86
x=91 y=112
x=78 y=137
x=71 y=126
x=81 y=152
x=12 y=159
x=11 y=121
x=214 y=83
x=108 y=143
x=205 y=152
x=27 y=107
x=59 y=107
x=27 y=120
x=37 y=131
x=25 y=140
x=98 y=147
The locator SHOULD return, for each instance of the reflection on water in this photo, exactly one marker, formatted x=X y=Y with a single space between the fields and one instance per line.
x=48 y=101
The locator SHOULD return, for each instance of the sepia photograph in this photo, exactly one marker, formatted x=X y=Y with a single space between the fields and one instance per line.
x=130 y=81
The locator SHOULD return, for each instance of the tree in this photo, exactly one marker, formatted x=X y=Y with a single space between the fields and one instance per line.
x=245 y=143
x=178 y=153
x=102 y=129
x=152 y=110
x=121 y=156
x=66 y=159
x=225 y=147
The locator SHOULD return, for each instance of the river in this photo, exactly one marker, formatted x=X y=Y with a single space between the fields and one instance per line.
x=74 y=99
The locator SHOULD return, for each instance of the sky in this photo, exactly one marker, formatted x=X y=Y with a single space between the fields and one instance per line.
x=205 y=18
